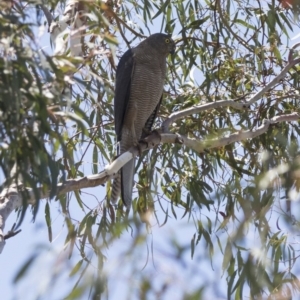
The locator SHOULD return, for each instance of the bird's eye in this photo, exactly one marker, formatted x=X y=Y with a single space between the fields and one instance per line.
x=167 y=41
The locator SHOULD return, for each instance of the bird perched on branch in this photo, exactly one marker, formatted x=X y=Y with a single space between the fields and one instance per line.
x=138 y=93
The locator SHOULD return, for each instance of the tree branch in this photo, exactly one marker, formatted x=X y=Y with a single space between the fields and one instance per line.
x=250 y=134
x=232 y=103
x=10 y=198
x=274 y=81
x=197 y=109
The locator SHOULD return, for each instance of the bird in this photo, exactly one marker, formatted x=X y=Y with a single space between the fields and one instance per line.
x=139 y=86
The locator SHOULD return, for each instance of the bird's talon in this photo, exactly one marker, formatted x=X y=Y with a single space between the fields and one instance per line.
x=146 y=132
x=179 y=140
x=140 y=147
x=156 y=133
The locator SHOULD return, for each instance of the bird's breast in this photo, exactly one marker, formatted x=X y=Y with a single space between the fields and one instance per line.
x=146 y=90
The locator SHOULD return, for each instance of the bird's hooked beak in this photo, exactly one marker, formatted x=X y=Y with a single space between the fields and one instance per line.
x=172 y=51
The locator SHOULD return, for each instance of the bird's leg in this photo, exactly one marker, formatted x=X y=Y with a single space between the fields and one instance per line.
x=134 y=138
x=136 y=143
x=152 y=136
x=146 y=132
x=133 y=135
x=118 y=152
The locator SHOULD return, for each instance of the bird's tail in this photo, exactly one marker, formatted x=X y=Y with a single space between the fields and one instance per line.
x=123 y=182
x=116 y=189
x=127 y=174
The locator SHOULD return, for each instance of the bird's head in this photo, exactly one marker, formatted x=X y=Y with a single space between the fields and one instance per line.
x=161 y=42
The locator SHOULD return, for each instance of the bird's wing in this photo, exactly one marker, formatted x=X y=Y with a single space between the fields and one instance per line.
x=122 y=94
x=122 y=89
x=151 y=119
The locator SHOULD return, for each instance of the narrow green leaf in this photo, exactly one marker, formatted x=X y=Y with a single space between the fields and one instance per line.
x=22 y=272
x=230 y=284
x=48 y=221
x=196 y=24
x=227 y=256
x=162 y=9
x=76 y=268
x=173 y=210
x=245 y=24
x=193 y=245
x=78 y=198
x=95 y=160
x=219 y=244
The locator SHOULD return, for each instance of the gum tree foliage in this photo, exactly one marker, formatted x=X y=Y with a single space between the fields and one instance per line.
x=56 y=124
